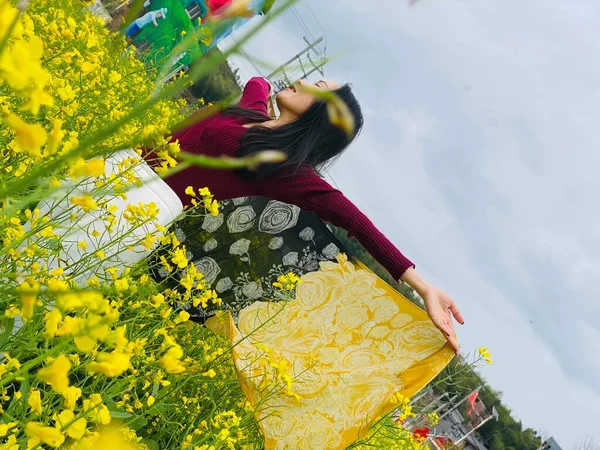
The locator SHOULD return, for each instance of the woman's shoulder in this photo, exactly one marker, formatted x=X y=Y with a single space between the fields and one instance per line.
x=224 y=123
x=303 y=174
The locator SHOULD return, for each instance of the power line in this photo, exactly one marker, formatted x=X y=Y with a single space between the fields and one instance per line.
x=300 y=21
x=315 y=17
x=303 y=24
x=245 y=55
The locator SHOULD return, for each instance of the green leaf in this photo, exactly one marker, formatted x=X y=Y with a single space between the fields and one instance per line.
x=120 y=414
x=137 y=423
x=25 y=391
x=8 y=325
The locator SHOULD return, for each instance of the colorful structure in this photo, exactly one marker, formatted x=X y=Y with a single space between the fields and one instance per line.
x=155 y=43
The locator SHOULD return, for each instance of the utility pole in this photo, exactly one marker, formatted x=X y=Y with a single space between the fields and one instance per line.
x=282 y=84
x=487 y=419
x=459 y=403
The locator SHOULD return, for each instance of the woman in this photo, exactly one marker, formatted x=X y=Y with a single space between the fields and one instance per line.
x=311 y=142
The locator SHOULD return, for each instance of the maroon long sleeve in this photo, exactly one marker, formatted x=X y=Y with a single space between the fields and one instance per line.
x=222 y=135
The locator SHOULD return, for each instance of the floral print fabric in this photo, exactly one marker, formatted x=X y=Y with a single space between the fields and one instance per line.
x=352 y=342
x=243 y=250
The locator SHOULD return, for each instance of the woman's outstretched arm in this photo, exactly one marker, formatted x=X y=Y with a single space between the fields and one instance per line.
x=312 y=193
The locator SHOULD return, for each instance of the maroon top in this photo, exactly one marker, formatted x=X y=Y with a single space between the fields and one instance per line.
x=221 y=135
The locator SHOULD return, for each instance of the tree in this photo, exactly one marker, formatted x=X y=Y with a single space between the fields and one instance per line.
x=586 y=443
x=497 y=443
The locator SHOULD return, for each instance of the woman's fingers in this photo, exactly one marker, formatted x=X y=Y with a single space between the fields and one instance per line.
x=456 y=313
x=453 y=342
x=447 y=328
x=444 y=327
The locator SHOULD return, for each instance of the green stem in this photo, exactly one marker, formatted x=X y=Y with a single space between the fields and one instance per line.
x=83 y=150
x=34 y=362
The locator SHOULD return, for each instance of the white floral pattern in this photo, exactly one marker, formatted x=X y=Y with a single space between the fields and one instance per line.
x=212 y=223
x=239 y=247
x=331 y=251
x=242 y=219
x=179 y=234
x=223 y=285
x=276 y=243
x=210 y=245
x=240 y=201
x=280 y=239
x=290 y=259
x=209 y=268
x=307 y=234
x=252 y=290
x=278 y=217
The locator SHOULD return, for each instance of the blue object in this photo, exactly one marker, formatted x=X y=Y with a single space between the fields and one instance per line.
x=132 y=30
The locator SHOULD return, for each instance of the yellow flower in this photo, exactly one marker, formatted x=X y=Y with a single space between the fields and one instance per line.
x=30 y=137
x=12 y=311
x=40 y=433
x=76 y=429
x=190 y=191
x=28 y=291
x=56 y=374
x=93 y=168
x=150 y=401
x=287 y=282
x=95 y=410
x=71 y=395
x=35 y=401
x=110 y=364
x=179 y=258
x=47 y=232
x=171 y=360
x=6 y=427
x=86 y=202
x=210 y=373
x=121 y=285
x=183 y=316
x=214 y=208
x=485 y=354
x=56 y=136
x=113 y=437
x=53 y=319
x=82 y=245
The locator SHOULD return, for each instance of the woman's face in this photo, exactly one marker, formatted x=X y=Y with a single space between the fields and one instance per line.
x=293 y=102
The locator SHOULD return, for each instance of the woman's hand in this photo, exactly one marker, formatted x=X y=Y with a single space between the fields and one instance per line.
x=440 y=307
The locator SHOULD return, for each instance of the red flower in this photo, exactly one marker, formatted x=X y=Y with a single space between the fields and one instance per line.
x=421 y=433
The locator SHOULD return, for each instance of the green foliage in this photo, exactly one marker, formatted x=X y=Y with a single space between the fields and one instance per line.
x=506 y=433
x=220 y=84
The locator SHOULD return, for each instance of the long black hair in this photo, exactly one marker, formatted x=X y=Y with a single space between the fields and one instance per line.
x=309 y=140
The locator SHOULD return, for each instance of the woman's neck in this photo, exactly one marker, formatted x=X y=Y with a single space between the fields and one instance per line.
x=284 y=119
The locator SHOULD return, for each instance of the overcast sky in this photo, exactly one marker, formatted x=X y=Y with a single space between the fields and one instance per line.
x=479 y=160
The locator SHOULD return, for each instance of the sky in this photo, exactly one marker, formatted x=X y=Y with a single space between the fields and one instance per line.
x=479 y=159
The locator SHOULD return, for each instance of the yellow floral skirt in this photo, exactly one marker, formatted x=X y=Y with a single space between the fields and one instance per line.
x=320 y=369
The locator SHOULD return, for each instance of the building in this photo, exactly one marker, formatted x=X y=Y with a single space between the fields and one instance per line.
x=550 y=444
